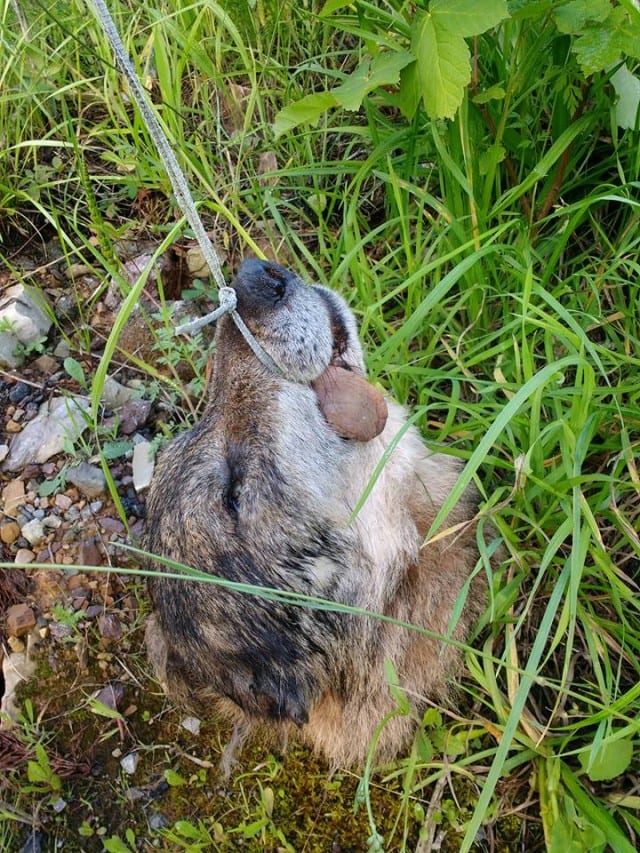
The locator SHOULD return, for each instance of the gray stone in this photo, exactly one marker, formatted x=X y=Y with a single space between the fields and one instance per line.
x=24 y=320
x=33 y=531
x=130 y=762
x=114 y=395
x=88 y=478
x=59 y=419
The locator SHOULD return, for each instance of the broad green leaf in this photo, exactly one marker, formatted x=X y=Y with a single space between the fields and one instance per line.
x=305 y=111
x=611 y=760
x=75 y=371
x=115 y=845
x=574 y=16
x=467 y=18
x=174 y=779
x=627 y=87
x=601 y=45
x=490 y=158
x=443 y=67
x=408 y=98
x=383 y=70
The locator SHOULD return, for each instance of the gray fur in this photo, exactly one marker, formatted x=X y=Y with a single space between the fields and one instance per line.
x=262 y=491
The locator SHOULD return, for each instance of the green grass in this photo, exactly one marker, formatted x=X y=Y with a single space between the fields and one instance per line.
x=493 y=263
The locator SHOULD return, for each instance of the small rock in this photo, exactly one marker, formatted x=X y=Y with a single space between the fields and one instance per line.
x=134 y=415
x=143 y=465
x=62 y=349
x=9 y=532
x=88 y=478
x=19 y=391
x=33 y=531
x=78 y=586
x=110 y=627
x=114 y=395
x=20 y=620
x=24 y=555
x=13 y=496
x=60 y=630
x=52 y=521
x=158 y=821
x=59 y=420
x=196 y=263
x=111 y=525
x=63 y=502
x=46 y=364
x=110 y=695
x=13 y=427
x=129 y=763
x=89 y=553
x=24 y=319
x=191 y=724
x=59 y=805
x=15 y=644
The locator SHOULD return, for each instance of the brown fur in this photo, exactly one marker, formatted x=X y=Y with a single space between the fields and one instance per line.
x=262 y=491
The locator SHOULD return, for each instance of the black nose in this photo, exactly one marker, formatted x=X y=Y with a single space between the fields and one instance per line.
x=263 y=284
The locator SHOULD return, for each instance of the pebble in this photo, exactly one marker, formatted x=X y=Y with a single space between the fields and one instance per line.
x=46 y=364
x=191 y=724
x=158 y=821
x=20 y=620
x=33 y=531
x=13 y=426
x=114 y=395
x=89 y=479
x=89 y=553
x=63 y=502
x=129 y=763
x=9 y=532
x=13 y=496
x=19 y=391
x=111 y=525
x=110 y=626
x=24 y=555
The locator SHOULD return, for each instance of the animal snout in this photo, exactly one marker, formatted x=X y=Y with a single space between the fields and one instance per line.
x=262 y=285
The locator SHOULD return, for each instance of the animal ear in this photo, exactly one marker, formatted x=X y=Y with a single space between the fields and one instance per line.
x=351 y=405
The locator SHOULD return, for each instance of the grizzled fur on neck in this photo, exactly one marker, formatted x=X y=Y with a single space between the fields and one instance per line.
x=262 y=491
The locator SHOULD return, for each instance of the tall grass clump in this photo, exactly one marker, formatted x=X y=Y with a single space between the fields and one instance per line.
x=491 y=249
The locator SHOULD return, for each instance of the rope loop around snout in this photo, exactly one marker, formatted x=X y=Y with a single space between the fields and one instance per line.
x=226 y=295
x=228 y=302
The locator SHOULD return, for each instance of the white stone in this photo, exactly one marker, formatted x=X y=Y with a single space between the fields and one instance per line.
x=129 y=763
x=60 y=419
x=33 y=531
x=191 y=724
x=143 y=465
x=24 y=320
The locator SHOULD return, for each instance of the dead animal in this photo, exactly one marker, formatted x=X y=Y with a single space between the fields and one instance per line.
x=262 y=491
